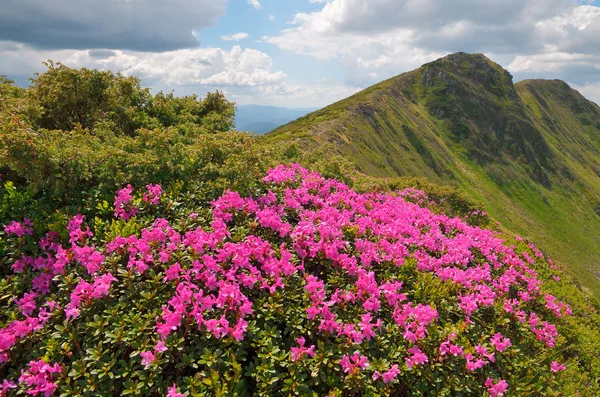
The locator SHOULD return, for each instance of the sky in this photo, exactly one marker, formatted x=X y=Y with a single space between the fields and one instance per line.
x=298 y=53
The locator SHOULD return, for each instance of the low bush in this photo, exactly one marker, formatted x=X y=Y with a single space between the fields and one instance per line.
x=301 y=286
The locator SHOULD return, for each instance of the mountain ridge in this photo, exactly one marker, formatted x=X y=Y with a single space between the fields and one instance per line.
x=530 y=150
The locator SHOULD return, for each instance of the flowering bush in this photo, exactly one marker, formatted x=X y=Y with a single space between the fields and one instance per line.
x=306 y=288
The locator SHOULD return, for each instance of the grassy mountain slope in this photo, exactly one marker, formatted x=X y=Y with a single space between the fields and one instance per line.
x=529 y=151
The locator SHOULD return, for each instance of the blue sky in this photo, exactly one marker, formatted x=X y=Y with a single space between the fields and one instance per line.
x=298 y=53
x=273 y=17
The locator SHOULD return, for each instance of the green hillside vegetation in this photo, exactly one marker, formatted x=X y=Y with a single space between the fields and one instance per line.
x=73 y=142
x=529 y=151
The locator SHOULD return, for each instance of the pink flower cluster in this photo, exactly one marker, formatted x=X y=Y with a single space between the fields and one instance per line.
x=20 y=229
x=172 y=392
x=307 y=226
x=5 y=386
x=555 y=367
x=388 y=376
x=500 y=343
x=39 y=379
x=153 y=194
x=354 y=363
x=124 y=207
x=85 y=292
x=417 y=357
x=558 y=308
x=53 y=261
x=149 y=357
x=210 y=289
x=496 y=388
x=19 y=329
x=298 y=352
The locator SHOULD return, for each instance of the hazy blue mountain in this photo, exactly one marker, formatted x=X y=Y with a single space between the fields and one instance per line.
x=262 y=119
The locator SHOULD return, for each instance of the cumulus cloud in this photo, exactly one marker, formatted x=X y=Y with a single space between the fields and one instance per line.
x=552 y=62
x=244 y=75
x=570 y=48
x=255 y=3
x=378 y=62
x=369 y=39
x=236 y=37
x=454 y=19
x=381 y=38
x=143 y=25
x=185 y=67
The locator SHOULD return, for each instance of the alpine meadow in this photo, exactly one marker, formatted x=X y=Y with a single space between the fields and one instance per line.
x=435 y=234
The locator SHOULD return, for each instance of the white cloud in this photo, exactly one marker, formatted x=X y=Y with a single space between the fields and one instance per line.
x=384 y=38
x=388 y=37
x=570 y=48
x=552 y=62
x=244 y=75
x=369 y=39
x=255 y=3
x=577 y=30
x=378 y=62
x=236 y=37
x=201 y=66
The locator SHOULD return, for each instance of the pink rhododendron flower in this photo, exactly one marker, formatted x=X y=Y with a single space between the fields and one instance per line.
x=147 y=358
x=160 y=347
x=84 y=292
x=447 y=347
x=5 y=386
x=417 y=357
x=27 y=303
x=76 y=233
x=390 y=375
x=38 y=378
x=298 y=352
x=500 y=343
x=354 y=363
x=303 y=230
x=19 y=229
x=124 y=208
x=555 y=367
x=496 y=389
x=152 y=196
x=172 y=392
x=173 y=272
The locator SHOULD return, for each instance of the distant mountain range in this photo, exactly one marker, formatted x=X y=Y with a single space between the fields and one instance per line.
x=530 y=151
x=262 y=119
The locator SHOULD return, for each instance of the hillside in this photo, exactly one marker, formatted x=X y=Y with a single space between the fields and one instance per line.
x=147 y=249
x=529 y=151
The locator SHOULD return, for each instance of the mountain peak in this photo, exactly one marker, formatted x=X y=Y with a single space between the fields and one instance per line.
x=466 y=56
x=531 y=150
x=475 y=71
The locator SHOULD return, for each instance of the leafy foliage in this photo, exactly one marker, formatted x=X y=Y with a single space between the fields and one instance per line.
x=74 y=129
x=201 y=277
x=306 y=287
